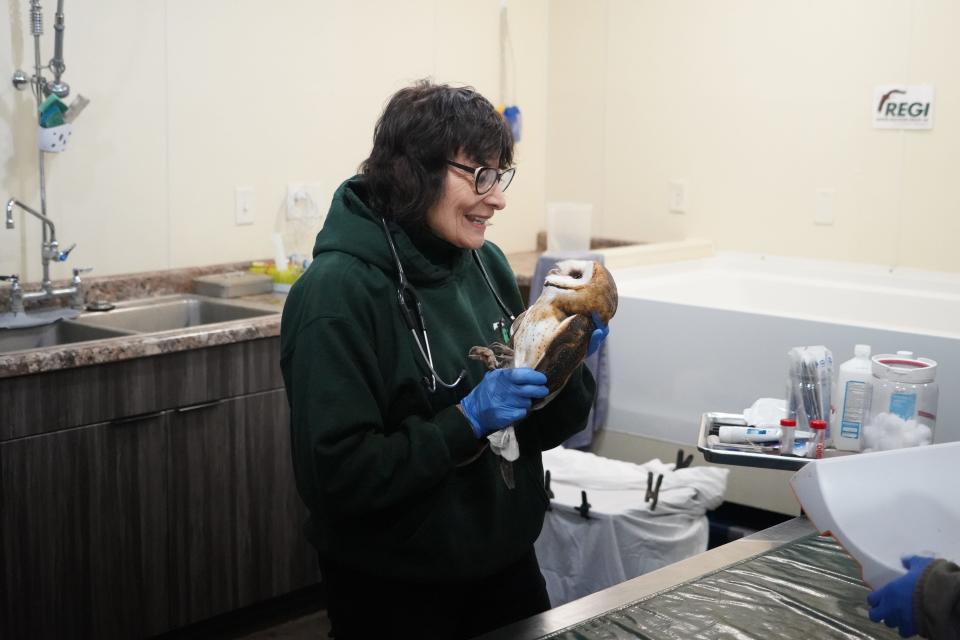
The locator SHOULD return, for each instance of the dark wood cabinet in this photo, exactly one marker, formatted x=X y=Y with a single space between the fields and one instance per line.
x=233 y=510
x=152 y=521
x=84 y=532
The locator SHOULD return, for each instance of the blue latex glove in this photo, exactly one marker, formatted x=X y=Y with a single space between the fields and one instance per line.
x=502 y=397
x=893 y=603
x=598 y=336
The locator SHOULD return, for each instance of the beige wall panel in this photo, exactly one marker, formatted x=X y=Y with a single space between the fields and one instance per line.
x=516 y=228
x=578 y=78
x=469 y=54
x=16 y=129
x=931 y=160
x=192 y=100
x=107 y=191
x=756 y=105
x=298 y=108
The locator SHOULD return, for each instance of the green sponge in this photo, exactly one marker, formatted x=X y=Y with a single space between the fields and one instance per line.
x=51 y=111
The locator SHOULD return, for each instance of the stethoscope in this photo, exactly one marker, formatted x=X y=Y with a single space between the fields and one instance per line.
x=410 y=305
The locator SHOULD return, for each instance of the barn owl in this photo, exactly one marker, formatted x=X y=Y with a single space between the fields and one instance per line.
x=552 y=337
x=553 y=334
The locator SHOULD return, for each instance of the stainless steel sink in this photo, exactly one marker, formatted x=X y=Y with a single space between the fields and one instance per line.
x=171 y=312
x=50 y=335
x=129 y=318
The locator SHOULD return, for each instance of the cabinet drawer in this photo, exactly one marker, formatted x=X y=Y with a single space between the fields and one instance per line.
x=79 y=396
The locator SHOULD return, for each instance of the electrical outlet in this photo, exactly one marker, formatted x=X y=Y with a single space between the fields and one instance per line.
x=245 y=205
x=296 y=197
x=678 y=197
x=320 y=199
x=823 y=214
x=303 y=201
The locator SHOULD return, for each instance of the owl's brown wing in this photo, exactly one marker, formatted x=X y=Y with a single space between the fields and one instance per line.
x=566 y=350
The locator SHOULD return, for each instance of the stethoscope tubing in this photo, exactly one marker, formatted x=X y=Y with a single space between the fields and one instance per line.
x=414 y=324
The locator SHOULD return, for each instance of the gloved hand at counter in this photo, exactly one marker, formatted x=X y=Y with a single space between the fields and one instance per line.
x=893 y=603
x=503 y=397
x=598 y=336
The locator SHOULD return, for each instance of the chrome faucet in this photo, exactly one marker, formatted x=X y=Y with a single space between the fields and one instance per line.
x=16 y=294
x=41 y=88
x=50 y=252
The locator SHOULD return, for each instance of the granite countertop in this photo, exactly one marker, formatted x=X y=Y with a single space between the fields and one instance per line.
x=153 y=284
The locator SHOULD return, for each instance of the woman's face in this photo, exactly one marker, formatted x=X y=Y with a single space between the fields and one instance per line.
x=461 y=216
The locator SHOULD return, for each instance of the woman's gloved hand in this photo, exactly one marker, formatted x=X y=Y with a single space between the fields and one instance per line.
x=502 y=397
x=893 y=603
x=598 y=336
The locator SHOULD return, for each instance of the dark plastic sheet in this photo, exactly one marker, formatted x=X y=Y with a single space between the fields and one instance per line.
x=810 y=588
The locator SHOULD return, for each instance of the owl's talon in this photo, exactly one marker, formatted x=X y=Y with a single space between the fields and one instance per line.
x=484 y=355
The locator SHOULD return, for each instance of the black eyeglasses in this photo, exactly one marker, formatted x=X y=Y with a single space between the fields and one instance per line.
x=485 y=177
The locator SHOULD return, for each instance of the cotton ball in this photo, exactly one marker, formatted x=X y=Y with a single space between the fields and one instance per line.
x=910 y=436
x=880 y=434
x=890 y=441
x=871 y=436
x=916 y=434
x=887 y=431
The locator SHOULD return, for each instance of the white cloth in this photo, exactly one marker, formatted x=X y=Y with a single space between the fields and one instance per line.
x=766 y=412
x=622 y=539
x=504 y=443
x=693 y=490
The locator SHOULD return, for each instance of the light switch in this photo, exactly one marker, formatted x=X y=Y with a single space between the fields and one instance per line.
x=678 y=197
x=245 y=205
x=823 y=214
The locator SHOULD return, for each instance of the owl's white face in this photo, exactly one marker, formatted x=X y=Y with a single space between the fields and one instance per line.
x=552 y=335
x=567 y=278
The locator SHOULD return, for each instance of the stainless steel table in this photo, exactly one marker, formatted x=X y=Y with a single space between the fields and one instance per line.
x=655 y=582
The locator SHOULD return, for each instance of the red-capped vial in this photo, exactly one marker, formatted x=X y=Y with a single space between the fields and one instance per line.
x=819 y=436
x=787 y=431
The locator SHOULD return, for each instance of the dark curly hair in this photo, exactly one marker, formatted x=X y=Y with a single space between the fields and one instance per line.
x=422 y=127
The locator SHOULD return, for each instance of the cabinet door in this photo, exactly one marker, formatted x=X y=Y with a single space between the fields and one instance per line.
x=83 y=526
x=235 y=517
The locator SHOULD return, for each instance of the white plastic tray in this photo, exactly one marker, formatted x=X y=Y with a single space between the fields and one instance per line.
x=885 y=505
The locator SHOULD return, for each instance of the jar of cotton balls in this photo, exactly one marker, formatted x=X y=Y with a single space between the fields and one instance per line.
x=905 y=398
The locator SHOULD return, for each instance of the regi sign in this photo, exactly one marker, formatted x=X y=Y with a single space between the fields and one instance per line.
x=897 y=106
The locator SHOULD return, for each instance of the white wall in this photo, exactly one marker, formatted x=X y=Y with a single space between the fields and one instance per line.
x=756 y=104
x=190 y=100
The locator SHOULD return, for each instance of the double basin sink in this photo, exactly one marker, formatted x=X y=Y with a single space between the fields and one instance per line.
x=150 y=315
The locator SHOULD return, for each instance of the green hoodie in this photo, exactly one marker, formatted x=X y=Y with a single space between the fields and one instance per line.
x=388 y=470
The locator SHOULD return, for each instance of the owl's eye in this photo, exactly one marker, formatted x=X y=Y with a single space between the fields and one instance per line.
x=576 y=274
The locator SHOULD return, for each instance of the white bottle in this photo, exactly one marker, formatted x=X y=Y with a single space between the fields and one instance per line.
x=853 y=394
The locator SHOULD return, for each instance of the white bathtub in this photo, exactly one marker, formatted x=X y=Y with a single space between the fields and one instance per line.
x=712 y=334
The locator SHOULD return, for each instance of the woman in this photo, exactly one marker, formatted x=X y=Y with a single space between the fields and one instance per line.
x=414 y=523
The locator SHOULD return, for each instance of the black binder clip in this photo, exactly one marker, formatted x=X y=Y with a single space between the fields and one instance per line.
x=547 y=489
x=653 y=493
x=584 y=507
x=683 y=463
